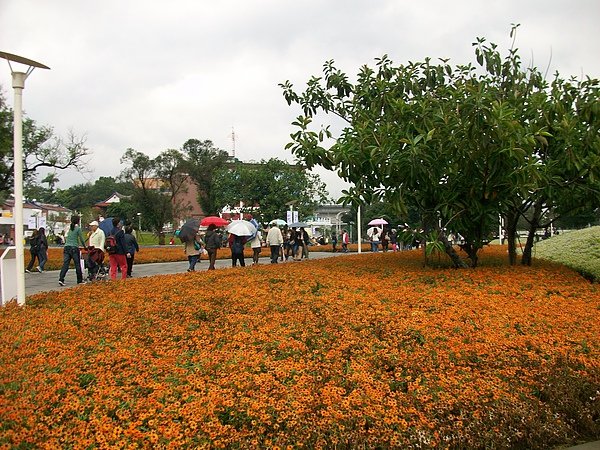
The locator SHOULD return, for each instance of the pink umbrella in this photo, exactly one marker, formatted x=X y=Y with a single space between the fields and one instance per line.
x=379 y=221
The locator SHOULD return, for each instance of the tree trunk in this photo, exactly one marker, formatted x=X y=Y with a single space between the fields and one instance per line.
x=454 y=257
x=533 y=226
x=511 y=235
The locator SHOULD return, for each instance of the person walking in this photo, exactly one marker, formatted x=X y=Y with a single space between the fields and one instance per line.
x=71 y=251
x=375 y=240
x=305 y=242
x=132 y=247
x=345 y=241
x=299 y=245
x=334 y=240
x=212 y=241
x=385 y=240
x=34 y=248
x=193 y=249
x=236 y=244
x=96 y=241
x=256 y=245
x=43 y=250
x=119 y=258
x=394 y=240
x=274 y=241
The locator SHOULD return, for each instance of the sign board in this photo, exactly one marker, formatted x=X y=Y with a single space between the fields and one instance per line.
x=8 y=275
x=292 y=216
x=32 y=223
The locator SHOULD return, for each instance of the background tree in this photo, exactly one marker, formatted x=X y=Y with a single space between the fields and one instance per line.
x=156 y=182
x=203 y=160
x=270 y=185
x=124 y=209
x=79 y=196
x=567 y=157
x=41 y=149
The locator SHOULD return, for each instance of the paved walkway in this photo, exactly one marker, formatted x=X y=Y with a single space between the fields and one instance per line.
x=48 y=281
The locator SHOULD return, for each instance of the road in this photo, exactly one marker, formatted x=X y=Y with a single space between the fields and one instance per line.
x=48 y=280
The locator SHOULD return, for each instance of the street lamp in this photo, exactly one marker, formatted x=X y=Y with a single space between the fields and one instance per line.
x=18 y=83
x=140 y=222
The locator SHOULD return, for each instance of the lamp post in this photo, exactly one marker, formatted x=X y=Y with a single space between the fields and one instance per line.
x=139 y=221
x=18 y=84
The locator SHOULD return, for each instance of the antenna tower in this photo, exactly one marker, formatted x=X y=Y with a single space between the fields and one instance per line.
x=232 y=143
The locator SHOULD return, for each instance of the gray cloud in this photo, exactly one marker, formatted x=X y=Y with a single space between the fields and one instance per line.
x=149 y=75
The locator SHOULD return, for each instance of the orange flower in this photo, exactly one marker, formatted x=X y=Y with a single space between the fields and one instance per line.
x=369 y=350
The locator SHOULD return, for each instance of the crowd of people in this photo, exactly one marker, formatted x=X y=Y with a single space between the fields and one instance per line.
x=93 y=242
x=284 y=243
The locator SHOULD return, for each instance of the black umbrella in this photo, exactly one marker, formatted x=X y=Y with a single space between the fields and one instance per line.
x=189 y=230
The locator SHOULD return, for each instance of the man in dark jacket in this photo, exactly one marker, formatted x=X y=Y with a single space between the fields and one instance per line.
x=212 y=240
x=119 y=258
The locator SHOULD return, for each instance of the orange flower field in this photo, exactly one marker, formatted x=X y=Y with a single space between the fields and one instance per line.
x=357 y=351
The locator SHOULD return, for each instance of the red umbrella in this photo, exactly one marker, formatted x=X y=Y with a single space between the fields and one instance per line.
x=214 y=220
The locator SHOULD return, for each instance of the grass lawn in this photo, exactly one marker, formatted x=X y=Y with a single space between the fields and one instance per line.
x=360 y=351
x=579 y=250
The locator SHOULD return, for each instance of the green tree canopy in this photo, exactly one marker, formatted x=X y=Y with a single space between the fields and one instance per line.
x=42 y=148
x=461 y=143
x=202 y=161
x=271 y=185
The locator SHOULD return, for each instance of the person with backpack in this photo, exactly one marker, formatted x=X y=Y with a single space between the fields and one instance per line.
x=71 y=251
x=118 y=252
x=236 y=243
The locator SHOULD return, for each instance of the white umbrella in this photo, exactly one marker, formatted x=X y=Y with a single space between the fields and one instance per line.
x=298 y=225
x=371 y=230
x=278 y=222
x=241 y=228
x=379 y=221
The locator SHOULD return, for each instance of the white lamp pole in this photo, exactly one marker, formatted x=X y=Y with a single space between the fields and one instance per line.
x=18 y=83
x=358 y=230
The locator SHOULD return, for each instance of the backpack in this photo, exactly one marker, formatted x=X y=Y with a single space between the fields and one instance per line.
x=110 y=244
x=237 y=246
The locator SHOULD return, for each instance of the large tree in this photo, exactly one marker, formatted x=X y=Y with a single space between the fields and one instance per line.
x=156 y=184
x=42 y=148
x=458 y=142
x=202 y=161
x=271 y=185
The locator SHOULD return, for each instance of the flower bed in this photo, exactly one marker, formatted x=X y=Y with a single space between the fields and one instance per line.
x=358 y=351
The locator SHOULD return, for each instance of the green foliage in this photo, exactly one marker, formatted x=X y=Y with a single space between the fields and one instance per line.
x=579 y=250
x=79 y=196
x=42 y=148
x=202 y=161
x=270 y=184
x=463 y=144
x=155 y=183
x=124 y=209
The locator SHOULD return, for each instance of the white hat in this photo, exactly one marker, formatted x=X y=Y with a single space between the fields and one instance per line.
x=94 y=222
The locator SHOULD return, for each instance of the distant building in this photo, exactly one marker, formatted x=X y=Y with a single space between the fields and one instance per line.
x=54 y=218
x=115 y=197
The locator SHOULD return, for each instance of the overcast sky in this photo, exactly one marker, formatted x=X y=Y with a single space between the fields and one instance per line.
x=151 y=74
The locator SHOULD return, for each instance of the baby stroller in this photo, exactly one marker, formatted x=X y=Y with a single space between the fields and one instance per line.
x=97 y=270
